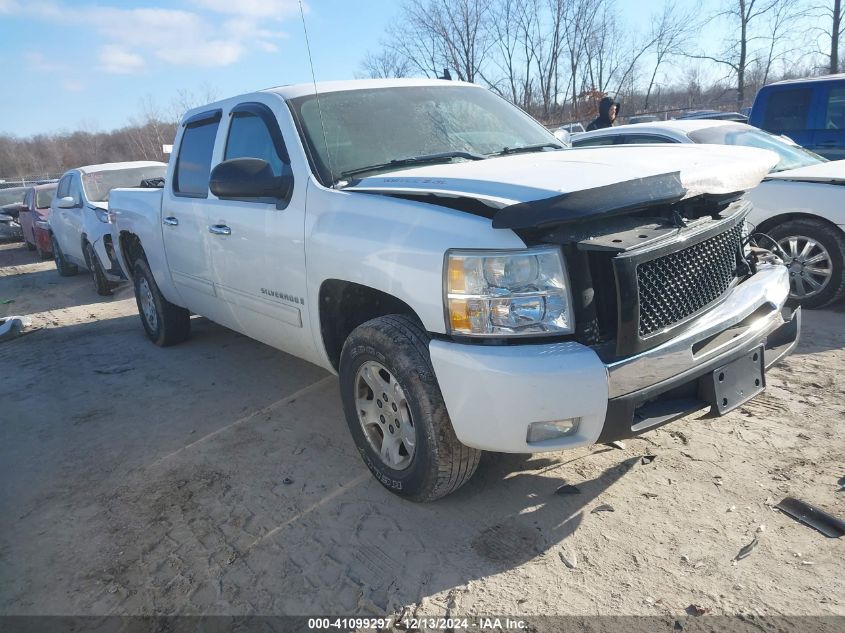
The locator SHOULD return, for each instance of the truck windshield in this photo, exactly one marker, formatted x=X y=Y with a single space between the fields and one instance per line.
x=98 y=184
x=372 y=127
x=791 y=156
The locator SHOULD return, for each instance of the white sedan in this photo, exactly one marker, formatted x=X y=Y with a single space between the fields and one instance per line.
x=800 y=205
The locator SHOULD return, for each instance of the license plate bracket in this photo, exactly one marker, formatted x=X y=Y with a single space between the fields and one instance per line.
x=734 y=383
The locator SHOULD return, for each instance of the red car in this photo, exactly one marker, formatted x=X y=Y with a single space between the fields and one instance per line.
x=33 y=219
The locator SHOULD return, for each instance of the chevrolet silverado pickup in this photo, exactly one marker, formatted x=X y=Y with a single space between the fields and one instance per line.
x=474 y=285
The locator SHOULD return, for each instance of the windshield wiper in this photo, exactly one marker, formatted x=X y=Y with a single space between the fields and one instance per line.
x=442 y=157
x=527 y=148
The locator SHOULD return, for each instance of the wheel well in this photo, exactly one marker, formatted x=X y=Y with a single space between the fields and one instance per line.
x=768 y=224
x=345 y=305
x=130 y=245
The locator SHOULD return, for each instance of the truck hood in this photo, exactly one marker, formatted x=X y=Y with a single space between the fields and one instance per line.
x=830 y=172
x=508 y=180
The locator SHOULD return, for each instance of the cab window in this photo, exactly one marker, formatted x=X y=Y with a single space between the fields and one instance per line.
x=250 y=137
x=193 y=165
x=787 y=110
x=835 y=116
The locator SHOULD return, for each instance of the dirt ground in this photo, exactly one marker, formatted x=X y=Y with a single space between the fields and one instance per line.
x=218 y=477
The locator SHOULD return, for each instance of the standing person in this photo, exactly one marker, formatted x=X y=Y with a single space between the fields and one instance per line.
x=608 y=111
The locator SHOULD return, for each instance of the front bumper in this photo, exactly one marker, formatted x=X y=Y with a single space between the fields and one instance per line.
x=104 y=248
x=493 y=393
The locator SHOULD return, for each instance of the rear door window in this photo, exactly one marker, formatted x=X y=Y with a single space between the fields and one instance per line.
x=834 y=118
x=193 y=165
x=595 y=142
x=787 y=109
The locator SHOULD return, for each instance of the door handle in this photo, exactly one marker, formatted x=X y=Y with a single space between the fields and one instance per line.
x=220 y=229
x=171 y=221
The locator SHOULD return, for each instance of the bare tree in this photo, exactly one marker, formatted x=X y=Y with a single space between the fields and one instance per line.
x=385 y=64
x=671 y=30
x=743 y=15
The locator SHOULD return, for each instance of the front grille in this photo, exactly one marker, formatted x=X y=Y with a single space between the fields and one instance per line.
x=676 y=286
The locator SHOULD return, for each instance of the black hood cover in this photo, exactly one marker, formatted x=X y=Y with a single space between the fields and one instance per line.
x=620 y=197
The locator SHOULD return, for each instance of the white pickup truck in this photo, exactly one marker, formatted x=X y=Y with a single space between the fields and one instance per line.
x=474 y=285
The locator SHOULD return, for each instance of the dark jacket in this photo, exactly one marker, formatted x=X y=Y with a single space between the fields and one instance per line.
x=603 y=119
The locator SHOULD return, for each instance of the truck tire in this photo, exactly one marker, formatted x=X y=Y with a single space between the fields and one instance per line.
x=165 y=323
x=815 y=252
x=396 y=413
x=65 y=269
x=101 y=284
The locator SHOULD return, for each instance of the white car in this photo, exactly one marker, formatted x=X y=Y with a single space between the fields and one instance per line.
x=475 y=285
x=79 y=218
x=799 y=205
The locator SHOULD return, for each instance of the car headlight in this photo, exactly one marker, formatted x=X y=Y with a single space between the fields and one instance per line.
x=508 y=293
x=102 y=215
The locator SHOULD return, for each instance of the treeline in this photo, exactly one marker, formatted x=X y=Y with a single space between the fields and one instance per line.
x=49 y=155
x=555 y=58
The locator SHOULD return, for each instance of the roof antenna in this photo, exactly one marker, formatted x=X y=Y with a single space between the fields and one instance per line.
x=316 y=95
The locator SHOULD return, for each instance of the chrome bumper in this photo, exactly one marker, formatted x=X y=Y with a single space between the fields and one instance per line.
x=750 y=312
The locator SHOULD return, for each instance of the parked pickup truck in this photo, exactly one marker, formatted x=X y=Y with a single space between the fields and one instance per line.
x=474 y=285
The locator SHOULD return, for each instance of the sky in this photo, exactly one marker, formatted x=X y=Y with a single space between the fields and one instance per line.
x=89 y=64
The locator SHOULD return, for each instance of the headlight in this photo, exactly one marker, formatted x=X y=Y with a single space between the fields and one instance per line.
x=508 y=293
x=102 y=215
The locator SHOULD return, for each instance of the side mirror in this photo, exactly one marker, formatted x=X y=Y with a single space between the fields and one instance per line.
x=66 y=203
x=249 y=178
x=563 y=136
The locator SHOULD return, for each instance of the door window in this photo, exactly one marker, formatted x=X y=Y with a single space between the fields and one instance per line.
x=787 y=110
x=250 y=137
x=193 y=165
x=64 y=186
x=647 y=139
x=595 y=142
x=835 y=115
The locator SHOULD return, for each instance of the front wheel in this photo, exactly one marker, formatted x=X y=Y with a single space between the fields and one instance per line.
x=814 y=252
x=165 y=323
x=65 y=268
x=396 y=413
x=101 y=283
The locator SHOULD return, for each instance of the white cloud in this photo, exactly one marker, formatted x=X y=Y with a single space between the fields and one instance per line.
x=116 y=60
x=37 y=62
x=273 y=9
x=218 y=33
x=72 y=85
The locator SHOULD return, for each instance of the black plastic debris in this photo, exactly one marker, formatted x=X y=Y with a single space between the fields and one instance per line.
x=825 y=523
x=287 y=481
x=568 y=489
x=605 y=507
x=696 y=610
x=745 y=551
x=647 y=459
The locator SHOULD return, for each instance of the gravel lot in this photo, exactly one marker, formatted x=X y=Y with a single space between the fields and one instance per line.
x=218 y=477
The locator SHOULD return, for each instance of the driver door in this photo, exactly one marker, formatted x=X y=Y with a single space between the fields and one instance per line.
x=257 y=244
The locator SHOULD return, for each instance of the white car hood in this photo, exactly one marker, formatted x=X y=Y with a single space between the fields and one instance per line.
x=832 y=171
x=519 y=178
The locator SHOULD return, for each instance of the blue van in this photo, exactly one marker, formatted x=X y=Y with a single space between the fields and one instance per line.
x=809 y=111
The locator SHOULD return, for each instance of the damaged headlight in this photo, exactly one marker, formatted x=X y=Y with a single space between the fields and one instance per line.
x=508 y=293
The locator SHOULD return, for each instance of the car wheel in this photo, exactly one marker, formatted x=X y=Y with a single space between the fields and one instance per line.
x=396 y=413
x=101 y=283
x=65 y=269
x=814 y=252
x=165 y=323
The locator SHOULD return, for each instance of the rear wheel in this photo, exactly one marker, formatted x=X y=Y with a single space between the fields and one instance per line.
x=165 y=323
x=65 y=268
x=814 y=252
x=101 y=284
x=396 y=413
